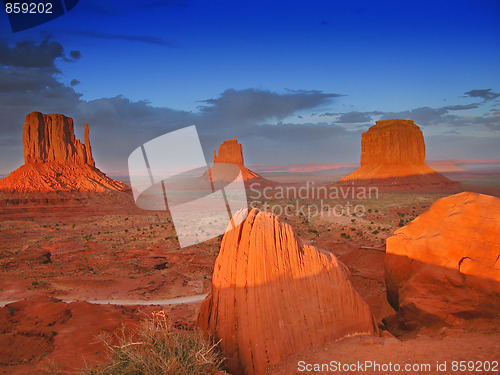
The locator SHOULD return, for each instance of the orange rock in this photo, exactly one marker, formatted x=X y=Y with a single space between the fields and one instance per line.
x=273 y=296
x=444 y=265
x=393 y=153
x=55 y=160
x=231 y=152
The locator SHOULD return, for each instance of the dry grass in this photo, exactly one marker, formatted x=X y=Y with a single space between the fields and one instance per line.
x=155 y=349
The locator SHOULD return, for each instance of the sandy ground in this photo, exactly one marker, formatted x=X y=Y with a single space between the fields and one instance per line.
x=103 y=248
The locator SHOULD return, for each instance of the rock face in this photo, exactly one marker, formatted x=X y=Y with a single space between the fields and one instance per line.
x=51 y=139
x=393 y=153
x=231 y=152
x=444 y=266
x=55 y=160
x=273 y=296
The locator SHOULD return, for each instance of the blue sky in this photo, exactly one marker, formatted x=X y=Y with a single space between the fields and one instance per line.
x=294 y=81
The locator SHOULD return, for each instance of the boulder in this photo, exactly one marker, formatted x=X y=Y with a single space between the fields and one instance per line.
x=273 y=296
x=444 y=266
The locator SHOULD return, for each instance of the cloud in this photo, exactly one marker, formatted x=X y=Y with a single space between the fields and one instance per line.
x=260 y=119
x=486 y=94
x=133 y=38
x=75 y=55
x=461 y=107
x=354 y=117
x=242 y=107
x=27 y=54
x=297 y=133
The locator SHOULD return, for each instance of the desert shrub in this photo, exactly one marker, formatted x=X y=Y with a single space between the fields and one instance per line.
x=154 y=348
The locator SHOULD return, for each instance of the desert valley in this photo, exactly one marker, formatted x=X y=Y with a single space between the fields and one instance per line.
x=390 y=263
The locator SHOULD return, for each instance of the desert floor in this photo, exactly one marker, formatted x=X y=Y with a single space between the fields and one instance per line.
x=58 y=249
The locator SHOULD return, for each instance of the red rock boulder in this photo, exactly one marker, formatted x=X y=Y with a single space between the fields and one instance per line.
x=444 y=266
x=273 y=296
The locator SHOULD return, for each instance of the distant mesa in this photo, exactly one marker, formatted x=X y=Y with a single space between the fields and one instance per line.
x=444 y=266
x=231 y=152
x=54 y=160
x=272 y=296
x=393 y=153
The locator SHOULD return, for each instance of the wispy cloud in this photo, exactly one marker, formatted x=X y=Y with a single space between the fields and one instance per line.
x=133 y=38
x=486 y=94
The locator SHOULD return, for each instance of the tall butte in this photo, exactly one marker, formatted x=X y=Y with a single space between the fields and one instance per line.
x=54 y=160
x=231 y=152
x=393 y=154
x=273 y=296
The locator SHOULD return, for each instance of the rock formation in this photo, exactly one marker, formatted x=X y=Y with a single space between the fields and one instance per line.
x=393 y=153
x=273 y=296
x=231 y=152
x=55 y=160
x=445 y=264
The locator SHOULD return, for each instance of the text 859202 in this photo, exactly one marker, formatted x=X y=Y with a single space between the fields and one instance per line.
x=32 y=8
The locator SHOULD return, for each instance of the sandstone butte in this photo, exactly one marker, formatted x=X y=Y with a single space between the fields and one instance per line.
x=54 y=160
x=273 y=296
x=445 y=265
x=231 y=152
x=393 y=153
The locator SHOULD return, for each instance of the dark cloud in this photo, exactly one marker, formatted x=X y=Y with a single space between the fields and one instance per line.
x=486 y=94
x=243 y=107
x=75 y=55
x=258 y=118
x=133 y=38
x=421 y=116
x=354 y=117
x=461 y=107
x=493 y=122
x=28 y=54
x=289 y=132
x=453 y=146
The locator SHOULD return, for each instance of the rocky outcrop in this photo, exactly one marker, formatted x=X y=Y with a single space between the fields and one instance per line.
x=231 y=152
x=444 y=266
x=273 y=296
x=393 y=153
x=55 y=160
x=51 y=139
x=393 y=142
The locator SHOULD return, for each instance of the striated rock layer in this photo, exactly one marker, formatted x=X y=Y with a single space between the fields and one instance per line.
x=444 y=266
x=393 y=153
x=273 y=296
x=231 y=152
x=55 y=160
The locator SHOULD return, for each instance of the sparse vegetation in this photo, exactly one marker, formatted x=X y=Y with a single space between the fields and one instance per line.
x=154 y=348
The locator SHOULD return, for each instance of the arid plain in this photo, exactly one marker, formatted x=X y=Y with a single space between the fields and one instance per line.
x=76 y=263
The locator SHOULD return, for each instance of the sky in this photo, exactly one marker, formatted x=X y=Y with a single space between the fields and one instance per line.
x=294 y=81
